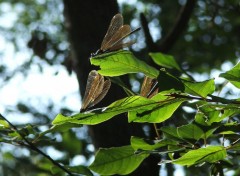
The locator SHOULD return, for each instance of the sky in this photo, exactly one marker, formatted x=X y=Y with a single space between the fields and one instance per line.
x=38 y=88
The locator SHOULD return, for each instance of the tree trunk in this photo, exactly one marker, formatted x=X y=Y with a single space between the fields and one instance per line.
x=87 y=23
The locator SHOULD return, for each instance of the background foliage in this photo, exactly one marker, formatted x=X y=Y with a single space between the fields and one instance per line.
x=35 y=31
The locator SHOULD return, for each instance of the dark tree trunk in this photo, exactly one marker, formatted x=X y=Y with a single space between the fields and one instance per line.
x=87 y=23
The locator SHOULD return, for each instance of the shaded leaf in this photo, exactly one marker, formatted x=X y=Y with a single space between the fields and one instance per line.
x=171 y=133
x=83 y=170
x=117 y=160
x=60 y=128
x=167 y=81
x=144 y=144
x=190 y=131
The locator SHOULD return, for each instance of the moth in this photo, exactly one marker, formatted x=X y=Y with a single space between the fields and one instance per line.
x=96 y=89
x=116 y=33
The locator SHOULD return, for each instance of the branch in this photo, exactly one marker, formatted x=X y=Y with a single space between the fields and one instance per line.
x=179 y=26
x=169 y=40
x=149 y=41
x=213 y=99
x=34 y=148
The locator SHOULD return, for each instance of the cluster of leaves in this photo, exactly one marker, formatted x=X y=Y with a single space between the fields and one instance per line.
x=211 y=137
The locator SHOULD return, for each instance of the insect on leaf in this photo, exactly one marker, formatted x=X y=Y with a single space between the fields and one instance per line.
x=115 y=35
x=96 y=90
x=149 y=88
x=116 y=23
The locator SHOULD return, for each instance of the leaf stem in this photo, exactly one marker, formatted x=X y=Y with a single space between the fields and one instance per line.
x=212 y=98
x=156 y=130
x=34 y=148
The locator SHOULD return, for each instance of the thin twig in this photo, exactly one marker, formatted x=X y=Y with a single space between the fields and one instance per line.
x=33 y=147
x=214 y=98
x=156 y=130
x=149 y=41
x=235 y=142
x=180 y=25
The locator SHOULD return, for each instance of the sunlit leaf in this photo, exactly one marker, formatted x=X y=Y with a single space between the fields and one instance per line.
x=211 y=113
x=165 y=60
x=201 y=89
x=209 y=154
x=101 y=115
x=160 y=112
x=117 y=160
x=120 y=63
x=233 y=75
x=4 y=124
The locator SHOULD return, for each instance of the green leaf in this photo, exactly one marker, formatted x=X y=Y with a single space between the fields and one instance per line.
x=229 y=128
x=211 y=113
x=209 y=154
x=233 y=75
x=117 y=160
x=227 y=132
x=100 y=115
x=171 y=133
x=201 y=89
x=120 y=63
x=190 y=131
x=60 y=128
x=4 y=124
x=168 y=81
x=165 y=60
x=160 y=112
x=144 y=144
x=83 y=170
